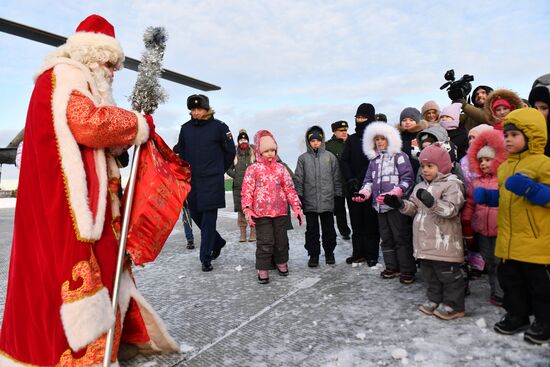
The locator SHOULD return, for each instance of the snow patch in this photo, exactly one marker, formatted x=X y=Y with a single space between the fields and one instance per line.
x=399 y=353
x=361 y=336
x=481 y=323
x=186 y=348
x=239 y=268
x=149 y=364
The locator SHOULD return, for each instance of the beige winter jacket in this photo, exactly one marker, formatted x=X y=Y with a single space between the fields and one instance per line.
x=437 y=232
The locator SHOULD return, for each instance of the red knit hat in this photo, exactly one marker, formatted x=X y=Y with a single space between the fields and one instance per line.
x=437 y=155
x=96 y=24
x=501 y=102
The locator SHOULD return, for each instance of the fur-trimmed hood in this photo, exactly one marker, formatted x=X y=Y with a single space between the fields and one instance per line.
x=506 y=94
x=495 y=140
x=421 y=125
x=381 y=128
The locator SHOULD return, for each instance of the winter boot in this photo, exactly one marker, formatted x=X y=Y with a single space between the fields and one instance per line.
x=329 y=258
x=243 y=234
x=263 y=276
x=241 y=222
x=538 y=333
x=127 y=351
x=389 y=274
x=445 y=312
x=511 y=324
x=428 y=307
x=283 y=269
x=406 y=278
x=252 y=237
x=313 y=261
x=190 y=245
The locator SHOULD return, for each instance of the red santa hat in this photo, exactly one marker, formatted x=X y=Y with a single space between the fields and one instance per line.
x=94 y=41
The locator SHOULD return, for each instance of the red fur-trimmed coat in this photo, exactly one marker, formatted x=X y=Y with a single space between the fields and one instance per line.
x=64 y=251
x=476 y=217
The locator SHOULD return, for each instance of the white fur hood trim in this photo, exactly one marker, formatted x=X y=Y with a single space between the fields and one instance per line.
x=381 y=128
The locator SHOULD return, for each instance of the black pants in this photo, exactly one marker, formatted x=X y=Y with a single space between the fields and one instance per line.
x=364 y=224
x=526 y=288
x=397 y=248
x=313 y=245
x=445 y=283
x=341 y=215
x=271 y=242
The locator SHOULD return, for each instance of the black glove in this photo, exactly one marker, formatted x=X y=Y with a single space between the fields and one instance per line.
x=425 y=197
x=353 y=185
x=394 y=201
x=301 y=200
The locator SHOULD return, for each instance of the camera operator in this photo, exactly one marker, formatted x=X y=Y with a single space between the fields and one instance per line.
x=473 y=114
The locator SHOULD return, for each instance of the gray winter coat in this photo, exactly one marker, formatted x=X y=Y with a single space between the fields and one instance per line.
x=317 y=178
x=437 y=232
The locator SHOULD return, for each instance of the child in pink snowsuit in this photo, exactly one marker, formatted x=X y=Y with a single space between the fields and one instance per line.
x=267 y=190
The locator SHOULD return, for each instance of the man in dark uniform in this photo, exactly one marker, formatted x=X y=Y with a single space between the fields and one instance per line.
x=207 y=144
x=336 y=146
x=364 y=220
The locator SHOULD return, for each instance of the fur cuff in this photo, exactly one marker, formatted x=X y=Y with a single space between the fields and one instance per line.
x=142 y=130
x=87 y=319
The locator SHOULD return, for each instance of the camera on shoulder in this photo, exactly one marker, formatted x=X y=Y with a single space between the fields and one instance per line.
x=457 y=89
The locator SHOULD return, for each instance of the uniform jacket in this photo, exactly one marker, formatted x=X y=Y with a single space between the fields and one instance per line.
x=437 y=234
x=523 y=227
x=387 y=169
x=318 y=178
x=243 y=159
x=354 y=162
x=482 y=218
x=336 y=147
x=209 y=148
x=267 y=186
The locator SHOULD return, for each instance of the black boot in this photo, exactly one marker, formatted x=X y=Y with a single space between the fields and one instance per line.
x=206 y=266
x=538 y=333
x=217 y=250
x=329 y=258
x=313 y=261
x=190 y=245
x=511 y=324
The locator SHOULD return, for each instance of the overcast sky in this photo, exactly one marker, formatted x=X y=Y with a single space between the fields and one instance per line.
x=286 y=65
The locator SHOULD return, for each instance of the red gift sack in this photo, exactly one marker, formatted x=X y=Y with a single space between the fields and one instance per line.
x=162 y=184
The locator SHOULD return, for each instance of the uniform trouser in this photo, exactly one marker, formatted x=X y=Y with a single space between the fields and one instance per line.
x=397 y=248
x=210 y=238
x=365 y=238
x=313 y=245
x=341 y=215
x=445 y=282
x=271 y=242
x=487 y=250
x=526 y=288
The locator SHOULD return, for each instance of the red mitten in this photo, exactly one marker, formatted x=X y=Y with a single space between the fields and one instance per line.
x=151 y=125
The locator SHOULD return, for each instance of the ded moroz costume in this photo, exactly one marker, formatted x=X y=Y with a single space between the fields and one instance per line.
x=64 y=252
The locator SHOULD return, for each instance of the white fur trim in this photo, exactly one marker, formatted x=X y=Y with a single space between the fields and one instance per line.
x=87 y=319
x=381 y=128
x=98 y=42
x=142 y=131
x=69 y=79
x=161 y=341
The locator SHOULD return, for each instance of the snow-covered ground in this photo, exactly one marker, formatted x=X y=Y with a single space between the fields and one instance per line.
x=334 y=315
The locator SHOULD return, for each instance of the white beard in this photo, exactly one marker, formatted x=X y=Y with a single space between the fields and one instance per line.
x=104 y=84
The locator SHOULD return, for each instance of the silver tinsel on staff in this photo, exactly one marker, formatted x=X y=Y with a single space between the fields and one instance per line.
x=146 y=96
x=148 y=93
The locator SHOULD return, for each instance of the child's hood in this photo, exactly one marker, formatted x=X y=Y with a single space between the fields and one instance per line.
x=319 y=128
x=495 y=140
x=438 y=132
x=532 y=123
x=381 y=128
x=506 y=94
x=257 y=137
